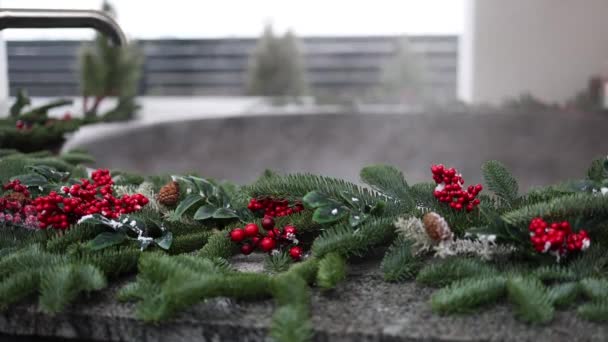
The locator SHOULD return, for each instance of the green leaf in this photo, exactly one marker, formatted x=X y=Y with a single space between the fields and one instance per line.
x=329 y=214
x=32 y=179
x=107 y=239
x=50 y=173
x=598 y=170
x=164 y=241
x=184 y=205
x=224 y=213
x=315 y=199
x=205 y=212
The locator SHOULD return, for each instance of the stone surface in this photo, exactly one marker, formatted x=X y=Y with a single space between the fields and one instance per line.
x=539 y=148
x=364 y=308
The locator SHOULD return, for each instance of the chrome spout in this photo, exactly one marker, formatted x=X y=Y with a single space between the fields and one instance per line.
x=51 y=18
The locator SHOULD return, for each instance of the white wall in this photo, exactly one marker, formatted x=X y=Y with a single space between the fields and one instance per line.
x=549 y=48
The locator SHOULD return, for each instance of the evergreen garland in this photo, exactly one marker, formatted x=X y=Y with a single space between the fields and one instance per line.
x=58 y=268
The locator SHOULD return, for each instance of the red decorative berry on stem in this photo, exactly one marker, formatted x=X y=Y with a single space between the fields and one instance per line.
x=267 y=223
x=237 y=235
x=246 y=249
x=268 y=244
x=296 y=252
x=290 y=230
x=251 y=230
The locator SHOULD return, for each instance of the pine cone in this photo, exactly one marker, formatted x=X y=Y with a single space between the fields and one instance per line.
x=169 y=194
x=436 y=227
x=17 y=197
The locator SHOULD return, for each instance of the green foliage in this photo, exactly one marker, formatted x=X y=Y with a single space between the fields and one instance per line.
x=565 y=294
x=276 y=68
x=594 y=288
x=342 y=239
x=598 y=171
x=530 y=297
x=76 y=158
x=387 y=180
x=294 y=187
x=561 y=208
x=213 y=200
x=553 y=273
x=107 y=70
x=189 y=243
x=329 y=210
x=62 y=284
x=218 y=246
x=449 y=270
x=399 y=263
x=277 y=263
x=468 y=294
x=332 y=270
x=290 y=323
x=500 y=181
x=596 y=311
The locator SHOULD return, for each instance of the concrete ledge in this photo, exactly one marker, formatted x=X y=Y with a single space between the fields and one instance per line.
x=364 y=308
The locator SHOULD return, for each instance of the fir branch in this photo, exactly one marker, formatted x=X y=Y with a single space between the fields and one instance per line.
x=389 y=181
x=77 y=233
x=218 y=245
x=306 y=269
x=113 y=262
x=399 y=262
x=290 y=323
x=565 y=294
x=450 y=270
x=18 y=286
x=595 y=288
x=594 y=262
x=343 y=240
x=332 y=270
x=189 y=242
x=533 y=303
x=500 y=181
x=296 y=186
x=553 y=273
x=596 y=311
x=277 y=263
x=561 y=208
x=62 y=284
x=468 y=294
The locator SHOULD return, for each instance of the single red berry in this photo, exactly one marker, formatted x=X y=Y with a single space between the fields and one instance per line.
x=290 y=230
x=268 y=223
x=237 y=235
x=296 y=252
x=268 y=244
x=251 y=230
x=20 y=124
x=246 y=249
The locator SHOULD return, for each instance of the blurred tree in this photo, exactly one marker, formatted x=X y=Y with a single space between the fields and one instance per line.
x=402 y=75
x=108 y=70
x=276 y=68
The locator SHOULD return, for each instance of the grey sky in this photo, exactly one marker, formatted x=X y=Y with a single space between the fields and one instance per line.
x=245 y=18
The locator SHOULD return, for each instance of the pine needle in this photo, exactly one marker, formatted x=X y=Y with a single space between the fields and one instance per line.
x=468 y=294
x=530 y=297
x=332 y=270
x=399 y=262
x=449 y=270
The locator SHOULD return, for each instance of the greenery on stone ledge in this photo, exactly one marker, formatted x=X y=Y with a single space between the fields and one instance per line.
x=487 y=260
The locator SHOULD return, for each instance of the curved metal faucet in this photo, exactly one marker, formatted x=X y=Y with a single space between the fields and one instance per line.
x=50 y=18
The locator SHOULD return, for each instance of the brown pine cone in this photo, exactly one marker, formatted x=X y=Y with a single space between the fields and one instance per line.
x=436 y=227
x=168 y=194
x=17 y=197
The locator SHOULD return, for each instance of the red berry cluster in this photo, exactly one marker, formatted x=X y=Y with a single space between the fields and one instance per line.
x=274 y=207
x=250 y=237
x=59 y=211
x=557 y=237
x=16 y=186
x=15 y=207
x=450 y=189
